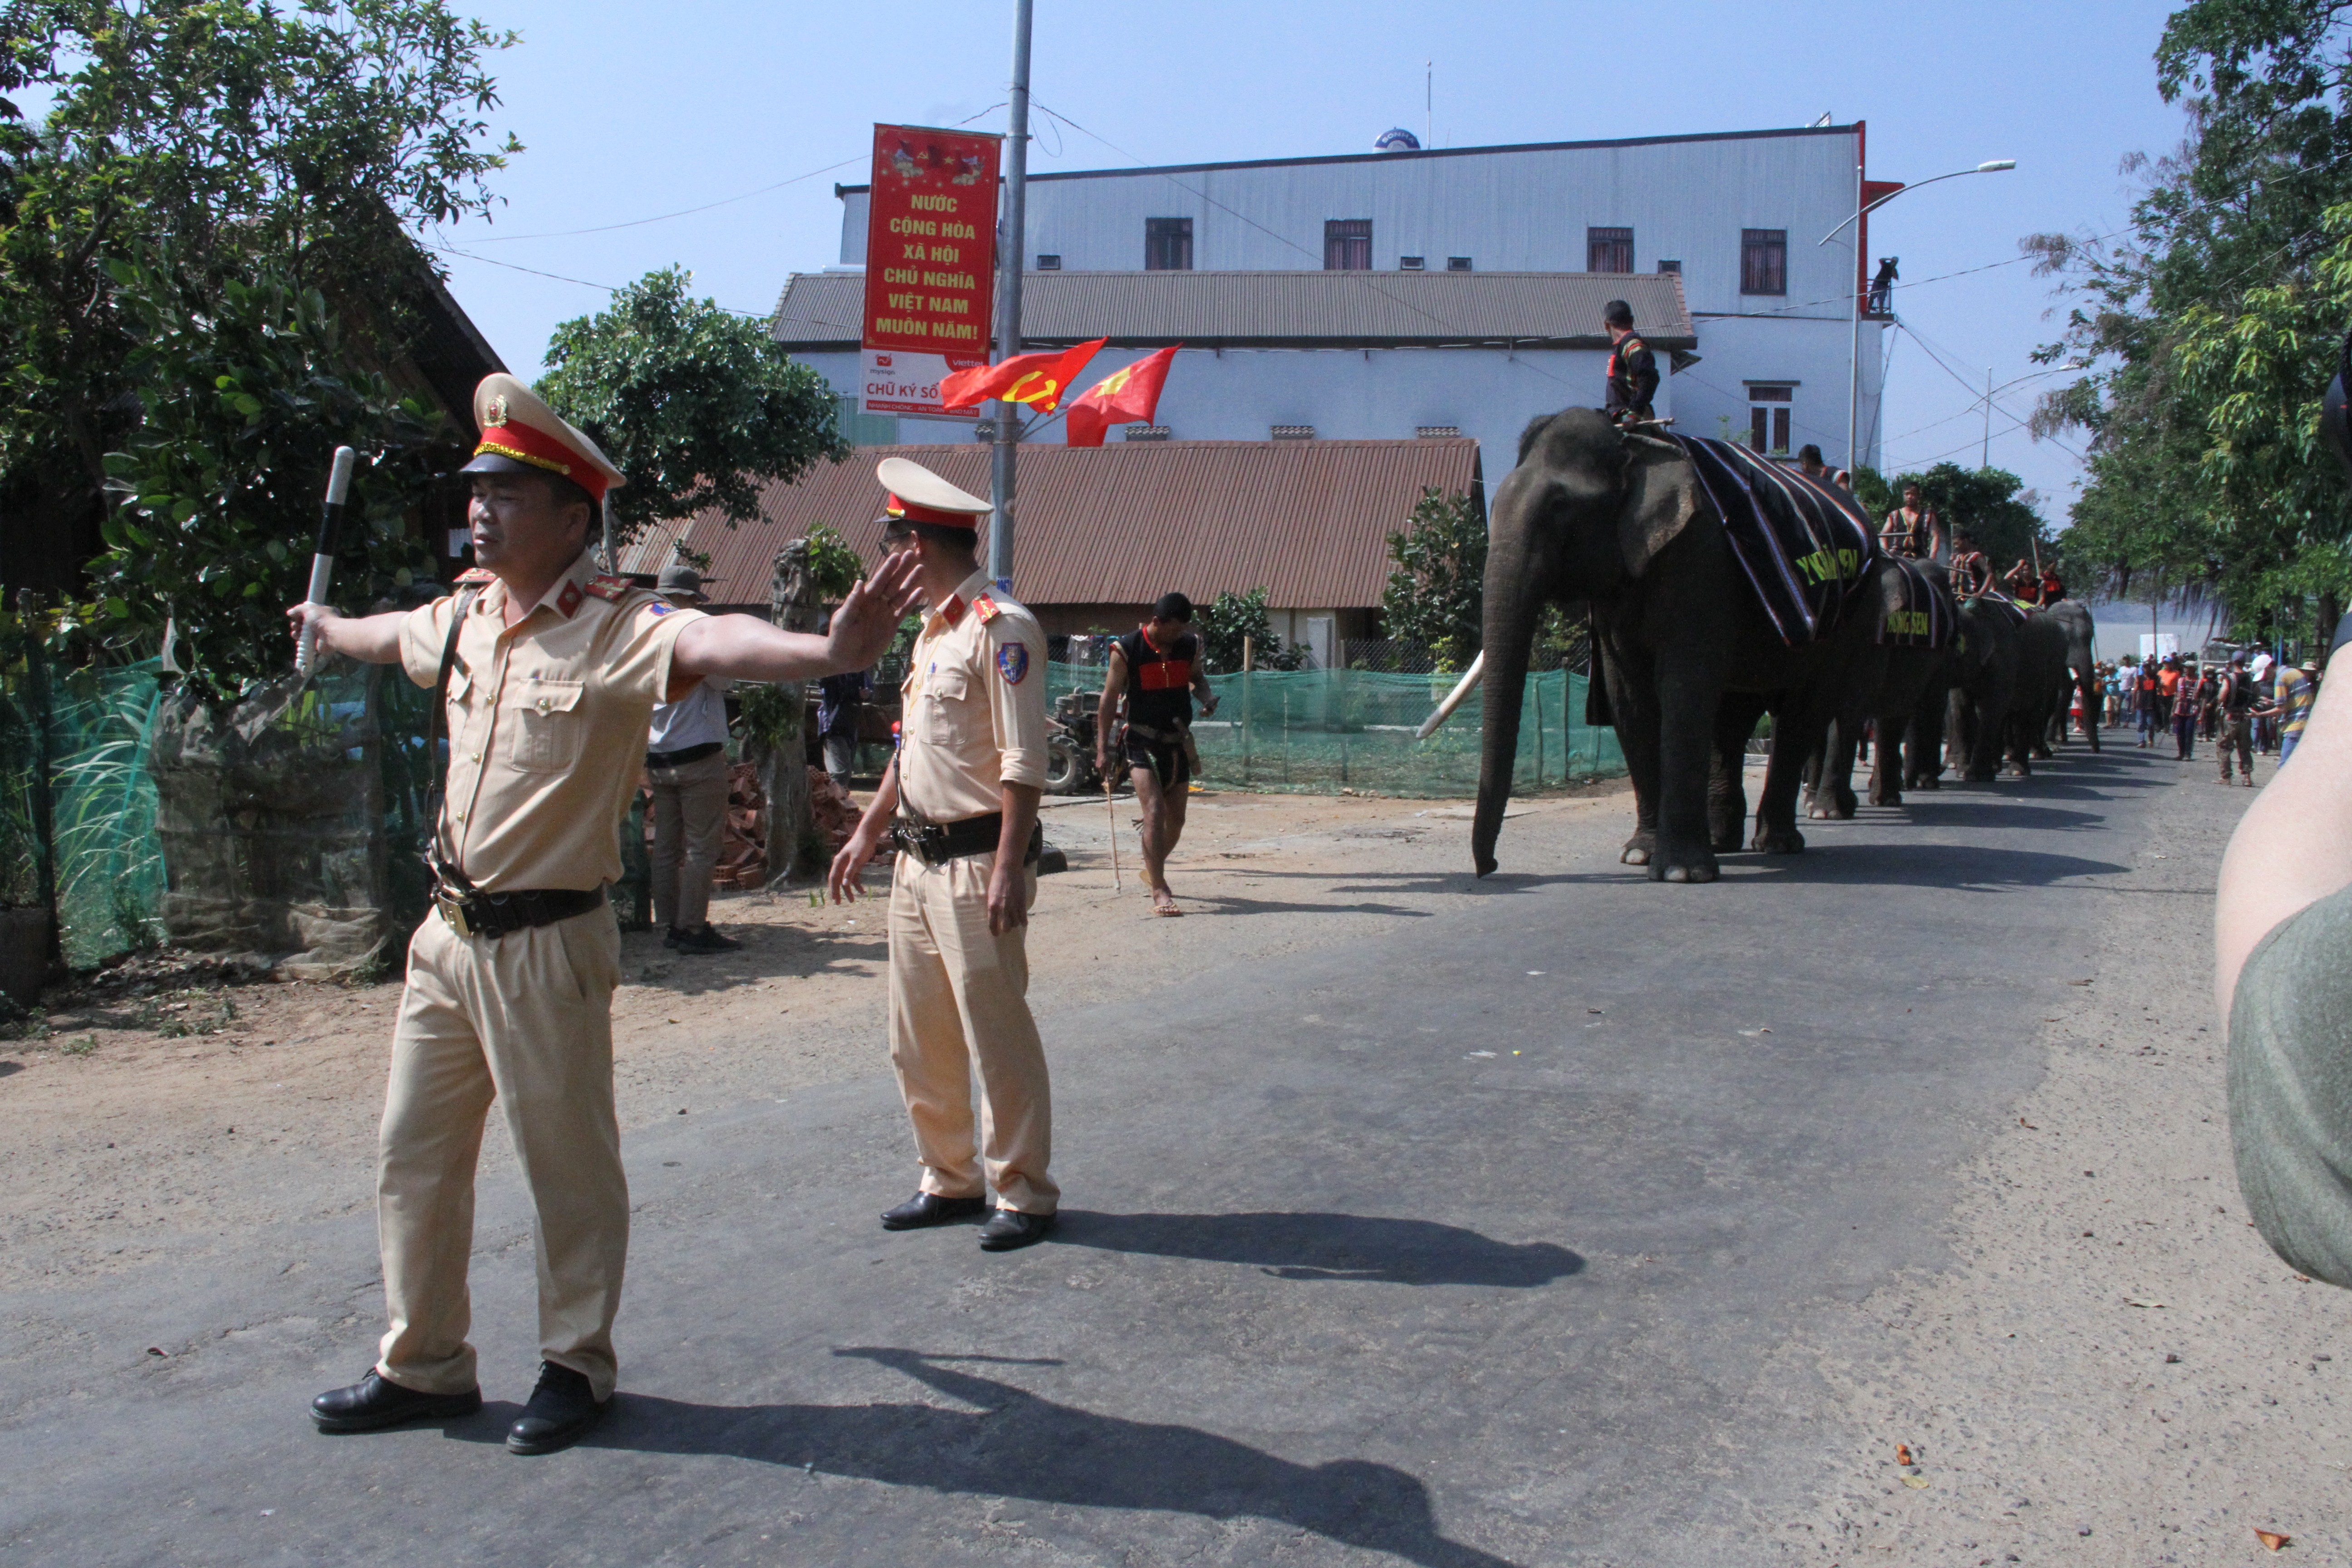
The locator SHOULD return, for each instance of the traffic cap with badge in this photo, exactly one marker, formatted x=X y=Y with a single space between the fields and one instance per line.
x=918 y=495
x=520 y=433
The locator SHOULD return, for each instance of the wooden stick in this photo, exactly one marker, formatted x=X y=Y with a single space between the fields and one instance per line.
x=1112 y=810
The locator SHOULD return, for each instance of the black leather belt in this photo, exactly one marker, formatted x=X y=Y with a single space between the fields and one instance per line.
x=683 y=756
x=937 y=843
x=498 y=914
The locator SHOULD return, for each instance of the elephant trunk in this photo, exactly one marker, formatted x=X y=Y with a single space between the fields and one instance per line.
x=1514 y=600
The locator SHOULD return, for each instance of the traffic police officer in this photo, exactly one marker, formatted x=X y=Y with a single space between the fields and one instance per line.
x=960 y=804
x=548 y=675
x=1632 y=368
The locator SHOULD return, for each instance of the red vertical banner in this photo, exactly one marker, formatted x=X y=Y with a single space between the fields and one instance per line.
x=931 y=263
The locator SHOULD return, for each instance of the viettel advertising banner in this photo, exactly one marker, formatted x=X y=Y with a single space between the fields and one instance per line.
x=893 y=381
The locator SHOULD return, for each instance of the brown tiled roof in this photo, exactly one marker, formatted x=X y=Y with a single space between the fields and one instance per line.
x=1123 y=523
x=821 y=311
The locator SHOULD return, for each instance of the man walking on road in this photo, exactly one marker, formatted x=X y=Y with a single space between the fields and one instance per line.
x=964 y=791
x=2239 y=698
x=686 y=764
x=547 y=674
x=1155 y=669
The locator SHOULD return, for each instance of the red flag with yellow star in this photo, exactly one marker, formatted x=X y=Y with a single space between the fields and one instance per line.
x=1038 y=380
x=1129 y=395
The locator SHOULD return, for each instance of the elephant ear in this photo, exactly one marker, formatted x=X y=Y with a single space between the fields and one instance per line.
x=1661 y=499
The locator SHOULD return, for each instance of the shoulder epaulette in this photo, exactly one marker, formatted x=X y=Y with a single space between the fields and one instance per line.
x=986 y=608
x=475 y=577
x=609 y=587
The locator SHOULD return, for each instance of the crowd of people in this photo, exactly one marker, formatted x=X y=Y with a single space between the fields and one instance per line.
x=2247 y=705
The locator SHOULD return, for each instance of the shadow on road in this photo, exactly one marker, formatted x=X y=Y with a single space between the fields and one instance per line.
x=1960 y=866
x=1994 y=815
x=1328 y=1246
x=1017 y=1445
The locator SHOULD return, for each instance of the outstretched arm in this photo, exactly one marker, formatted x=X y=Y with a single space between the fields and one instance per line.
x=745 y=648
x=370 y=639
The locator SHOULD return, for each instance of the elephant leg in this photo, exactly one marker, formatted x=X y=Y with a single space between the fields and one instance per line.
x=1886 y=766
x=1689 y=689
x=1726 y=797
x=1832 y=798
x=1795 y=732
x=1634 y=703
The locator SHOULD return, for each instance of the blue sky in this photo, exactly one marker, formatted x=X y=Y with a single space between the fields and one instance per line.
x=633 y=112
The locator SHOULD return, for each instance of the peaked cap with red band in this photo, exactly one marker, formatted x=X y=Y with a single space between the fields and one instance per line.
x=521 y=434
x=918 y=495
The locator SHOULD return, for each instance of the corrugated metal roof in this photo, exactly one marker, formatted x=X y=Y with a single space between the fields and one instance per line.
x=1418 y=152
x=821 y=312
x=1126 y=522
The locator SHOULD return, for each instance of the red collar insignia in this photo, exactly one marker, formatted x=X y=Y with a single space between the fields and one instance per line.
x=952 y=611
x=568 y=600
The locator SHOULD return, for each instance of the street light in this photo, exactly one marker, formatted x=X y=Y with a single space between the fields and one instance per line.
x=1853 y=362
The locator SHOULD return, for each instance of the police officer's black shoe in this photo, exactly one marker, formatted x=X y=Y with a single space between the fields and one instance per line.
x=931 y=1209
x=562 y=1410
x=1009 y=1228
x=375 y=1402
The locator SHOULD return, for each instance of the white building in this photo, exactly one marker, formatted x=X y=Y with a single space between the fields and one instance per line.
x=1383 y=295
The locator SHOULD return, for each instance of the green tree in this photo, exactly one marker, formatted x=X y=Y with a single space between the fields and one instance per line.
x=1436 y=590
x=698 y=407
x=217 y=140
x=1232 y=619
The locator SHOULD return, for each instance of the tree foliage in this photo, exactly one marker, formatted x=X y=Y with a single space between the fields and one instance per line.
x=2210 y=327
x=1437 y=589
x=216 y=139
x=699 y=408
x=1223 y=625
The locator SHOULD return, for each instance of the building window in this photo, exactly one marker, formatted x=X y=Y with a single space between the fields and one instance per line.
x=1168 y=245
x=1457 y=264
x=1436 y=432
x=1411 y=263
x=1347 y=245
x=1763 y=261
x=1667 y=264
x=1768 y=416
x=1609 y=250
x=1049 y=263
x=1294 y=432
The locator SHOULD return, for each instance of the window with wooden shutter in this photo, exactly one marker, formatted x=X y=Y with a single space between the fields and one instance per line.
x=1168 y=245
x=1609 y=250
x=1347 y=245
x=1763 y=261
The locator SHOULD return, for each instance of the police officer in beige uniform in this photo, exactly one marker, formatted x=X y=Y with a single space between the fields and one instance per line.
x=960 y=803
x=552 y=673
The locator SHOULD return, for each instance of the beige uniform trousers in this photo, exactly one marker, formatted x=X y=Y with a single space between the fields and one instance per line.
x=689 y=830
x=960 y=999
x=526 y=1018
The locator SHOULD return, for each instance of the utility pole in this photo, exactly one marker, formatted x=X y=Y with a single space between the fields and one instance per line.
x=1984 y=454
x=1011 y=247
x=1853 y=370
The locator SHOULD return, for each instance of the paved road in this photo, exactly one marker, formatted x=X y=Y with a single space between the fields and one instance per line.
x=1461 y=1244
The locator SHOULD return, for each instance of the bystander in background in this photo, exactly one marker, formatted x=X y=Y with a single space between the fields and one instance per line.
x=685 y=763
x=840 y=698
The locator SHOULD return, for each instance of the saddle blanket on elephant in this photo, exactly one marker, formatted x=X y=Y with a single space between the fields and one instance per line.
x=1927 y=616
x=2010 y=608
x=1802 y=545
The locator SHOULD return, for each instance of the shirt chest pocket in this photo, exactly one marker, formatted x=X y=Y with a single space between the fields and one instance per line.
x=945 y=701
x=550 y=730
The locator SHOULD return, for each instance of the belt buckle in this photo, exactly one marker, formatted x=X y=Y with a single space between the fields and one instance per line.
x=453 y=910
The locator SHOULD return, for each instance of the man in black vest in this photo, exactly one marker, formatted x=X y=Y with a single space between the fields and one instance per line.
x=1156 y=669
x=1632 y=369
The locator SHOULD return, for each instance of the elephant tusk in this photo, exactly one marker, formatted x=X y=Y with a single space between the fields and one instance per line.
x=1454 y=698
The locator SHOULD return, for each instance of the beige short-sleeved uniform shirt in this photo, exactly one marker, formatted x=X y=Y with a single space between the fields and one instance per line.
x=973 y=711
x=547 y=725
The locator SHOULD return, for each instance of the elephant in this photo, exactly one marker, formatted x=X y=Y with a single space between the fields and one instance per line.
x=1968 y=704
x=1912 y=676
x=1618 y=522
x=2042 y=685
x=2073 y=617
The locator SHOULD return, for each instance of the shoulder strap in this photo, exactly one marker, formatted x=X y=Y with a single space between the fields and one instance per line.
x=433 y=798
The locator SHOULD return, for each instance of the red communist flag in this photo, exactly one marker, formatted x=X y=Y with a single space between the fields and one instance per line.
x=1129 y=394
x=1035 y=379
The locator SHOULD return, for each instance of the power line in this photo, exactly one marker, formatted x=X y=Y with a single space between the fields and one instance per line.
x=559 y=278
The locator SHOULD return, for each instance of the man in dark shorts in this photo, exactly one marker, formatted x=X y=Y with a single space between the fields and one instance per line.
x=1156 y=669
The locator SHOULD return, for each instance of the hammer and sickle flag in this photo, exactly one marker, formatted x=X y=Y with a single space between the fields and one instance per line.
x=1038 y=380
x=1124 y=396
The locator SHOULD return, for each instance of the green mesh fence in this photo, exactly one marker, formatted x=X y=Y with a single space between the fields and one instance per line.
x=1319 y=732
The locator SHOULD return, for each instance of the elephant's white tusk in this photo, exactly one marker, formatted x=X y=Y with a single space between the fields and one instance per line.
x=1454 y=698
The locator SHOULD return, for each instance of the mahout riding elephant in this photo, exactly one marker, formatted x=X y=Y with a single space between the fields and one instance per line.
x=1618 y=522
x=1893 y=711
